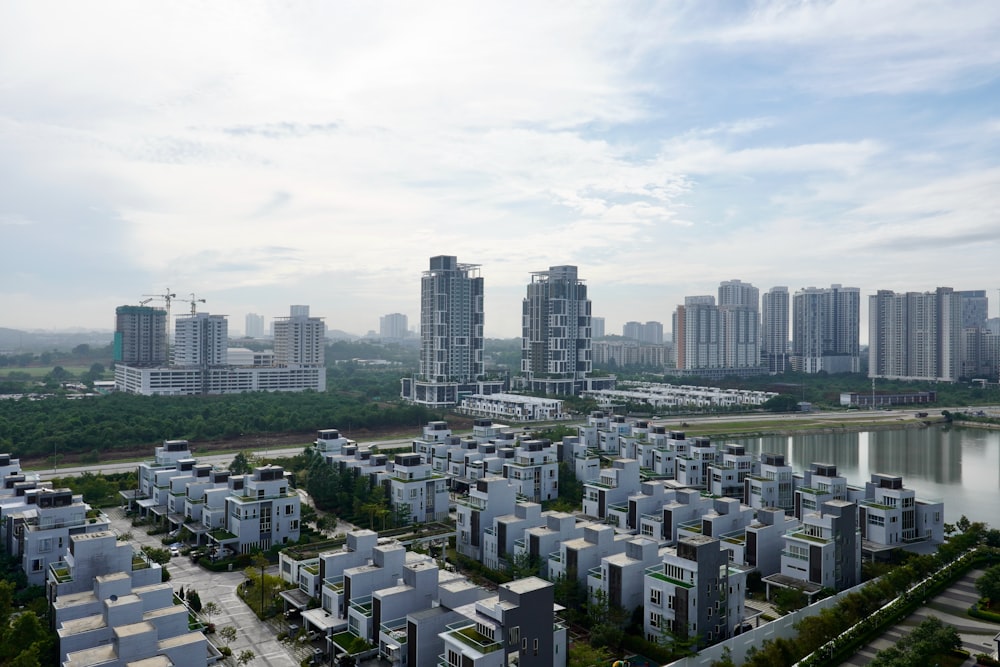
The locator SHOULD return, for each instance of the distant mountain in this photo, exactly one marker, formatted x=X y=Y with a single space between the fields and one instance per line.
x=16 y=340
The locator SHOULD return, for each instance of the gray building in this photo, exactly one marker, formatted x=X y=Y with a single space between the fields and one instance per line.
x=140 y=335
x=774 y=330
x=915 y=336
x=826 y=325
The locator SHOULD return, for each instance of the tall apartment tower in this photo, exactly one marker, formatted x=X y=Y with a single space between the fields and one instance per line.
x=975 y=308
x=915 y=336
x=393 y=326
x=451 y=335
x=650 y=333
x=140 y=335
x=254 y=326
x=632 y=330
x=774 y=330
x=697 y=334
x=299 y=340
x=556 y=335
x=201 y=340
x=739 y=308
x=826 y=325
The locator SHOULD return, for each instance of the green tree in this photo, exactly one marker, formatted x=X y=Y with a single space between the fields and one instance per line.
x=240 y=465
x=210 y=609
x=245 y=657
x=194 y=600
x=228 y=634
x=781 y=403
x=988 y=585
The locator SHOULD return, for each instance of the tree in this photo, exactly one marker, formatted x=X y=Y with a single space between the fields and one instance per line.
x=228 y=634
x=582 y=654
x=245 y=657
x=781 y=403
x=209 y=609
x=988 y=585
x=241 y=464
x=194 y=600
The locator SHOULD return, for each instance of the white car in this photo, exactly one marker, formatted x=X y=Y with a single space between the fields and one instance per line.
x=174 y=551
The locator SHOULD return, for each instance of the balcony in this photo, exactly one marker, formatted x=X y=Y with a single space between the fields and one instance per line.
x=466 y=633
x=490 y=531
x=658 y=518
x=363 y=605
x=519 y=545
x=618 y=507
x=656 y=571
x=596 y=573
x=395 y=629
x=335 y=584
x=478 y=504
x=555 y=556
x=60 y=572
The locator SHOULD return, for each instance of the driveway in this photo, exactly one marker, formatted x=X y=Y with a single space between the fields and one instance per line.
x=218 y=587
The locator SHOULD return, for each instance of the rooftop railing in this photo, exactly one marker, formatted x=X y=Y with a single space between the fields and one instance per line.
x=466 y=633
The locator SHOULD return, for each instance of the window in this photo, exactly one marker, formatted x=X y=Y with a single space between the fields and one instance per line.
x=37 y=565
x=514 y=635
x=534 y=644
x=655 y=595
x=654 y=619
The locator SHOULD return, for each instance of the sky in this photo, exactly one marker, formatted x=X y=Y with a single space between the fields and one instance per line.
x=263 y=154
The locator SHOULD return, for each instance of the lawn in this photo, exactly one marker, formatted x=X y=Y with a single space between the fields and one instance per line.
x=41 y=371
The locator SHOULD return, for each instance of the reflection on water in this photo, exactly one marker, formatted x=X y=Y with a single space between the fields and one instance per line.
x=958 y=465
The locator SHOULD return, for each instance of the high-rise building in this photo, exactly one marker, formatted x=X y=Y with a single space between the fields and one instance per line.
x=718 y=340
x=201 y=340
x=140 y=335
x=975 y=308
x=915 y=336
x=650 y=332
x=254 y=326
x=299 y=340
x=826 y=324
x=394 y=326
x=596 y=327
x=556 y=336
x=451 y=335
x=774 y=330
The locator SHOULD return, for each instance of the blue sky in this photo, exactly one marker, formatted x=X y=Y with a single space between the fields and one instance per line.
x=263 y=154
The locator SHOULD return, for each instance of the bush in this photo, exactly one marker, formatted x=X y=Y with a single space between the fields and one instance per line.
x=977 y=611
x=989 y=661
x=225 y=651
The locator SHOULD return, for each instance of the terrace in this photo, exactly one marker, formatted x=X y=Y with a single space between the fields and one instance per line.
x=363 y=605
x=656 y=571
x=466 y=633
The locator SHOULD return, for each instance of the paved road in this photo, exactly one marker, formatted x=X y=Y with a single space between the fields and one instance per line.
x=949 y=606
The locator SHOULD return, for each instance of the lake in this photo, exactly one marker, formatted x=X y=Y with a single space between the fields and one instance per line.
x=958 y=465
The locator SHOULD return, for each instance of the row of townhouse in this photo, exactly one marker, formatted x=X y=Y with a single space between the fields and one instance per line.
x=412 y=613
x=240 y=512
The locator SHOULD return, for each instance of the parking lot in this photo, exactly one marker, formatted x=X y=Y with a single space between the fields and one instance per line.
x=220 y=587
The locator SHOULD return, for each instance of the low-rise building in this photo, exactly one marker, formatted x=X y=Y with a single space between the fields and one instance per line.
x=416 y=493
x=613 y=486
x=619 y=577
x=825 y=552
x=489 y=498
x=534 y=471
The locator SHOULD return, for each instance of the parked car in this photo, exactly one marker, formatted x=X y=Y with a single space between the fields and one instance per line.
x=174 y=551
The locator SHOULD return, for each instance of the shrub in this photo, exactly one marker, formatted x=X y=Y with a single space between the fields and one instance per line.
x=225 y=651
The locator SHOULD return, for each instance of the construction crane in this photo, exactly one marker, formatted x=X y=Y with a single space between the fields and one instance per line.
x=166 y=297
x=194 y=304
x=145 y=301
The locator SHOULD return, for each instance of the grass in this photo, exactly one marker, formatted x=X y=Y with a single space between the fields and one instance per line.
x=350 y=643
x=38 y=372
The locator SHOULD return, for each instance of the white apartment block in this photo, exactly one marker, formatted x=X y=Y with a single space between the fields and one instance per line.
x=299 y=340
x=168 y=381
x=819 y=484
x=669 y=396
x=541 y=541
x=825 y=330
x=685 y=506
x=200 y=340
x=727 y=515
x=915 y=336
x=774 y=319
x=330 y=441
x=759 y=544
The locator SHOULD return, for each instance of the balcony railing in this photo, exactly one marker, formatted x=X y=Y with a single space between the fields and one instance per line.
x=653 y=517
x=595 y=572
x=396 y=629
x=334 y=583
x=363 y=605
x=520 y=544
x=656 y=571
x=555 y=556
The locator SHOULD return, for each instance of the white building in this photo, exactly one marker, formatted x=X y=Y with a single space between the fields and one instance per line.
x=534 y=470
x=825 y=552
x=774 y=330
x=825 y=330
x=299 y=340
x=489 y=498
x=416 y=492
x=264 y=512
x=201 y=340
x=512 y=407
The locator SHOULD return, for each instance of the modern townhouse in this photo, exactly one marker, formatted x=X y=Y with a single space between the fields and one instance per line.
x=891 y=515
x=695 y=592
x=422 y=643
x=172 y=459
x=384 y=571
x=517 y=626
x=819 y=484
x=129 y=627
x=195 y=494
x=619 y=577
x=416 y=493
x=586 y=462
x=692 y=467
x=824 y=553
x=726 y=516
x=489 y=498
x=265 y=512
x=613 y=486
x=38 y=533
x=415 y=589
x=534 y=470
x=498 y=539
x=771 y=484
x=576 y=557
x=727 y=476
x=686 y=505
x=597 y=421
x=760 y=544
x=651 y=497
x=330 y=442
x=92 y=555
x=541 y=541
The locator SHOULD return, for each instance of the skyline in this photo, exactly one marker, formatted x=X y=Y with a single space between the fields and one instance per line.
x=263 y=155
